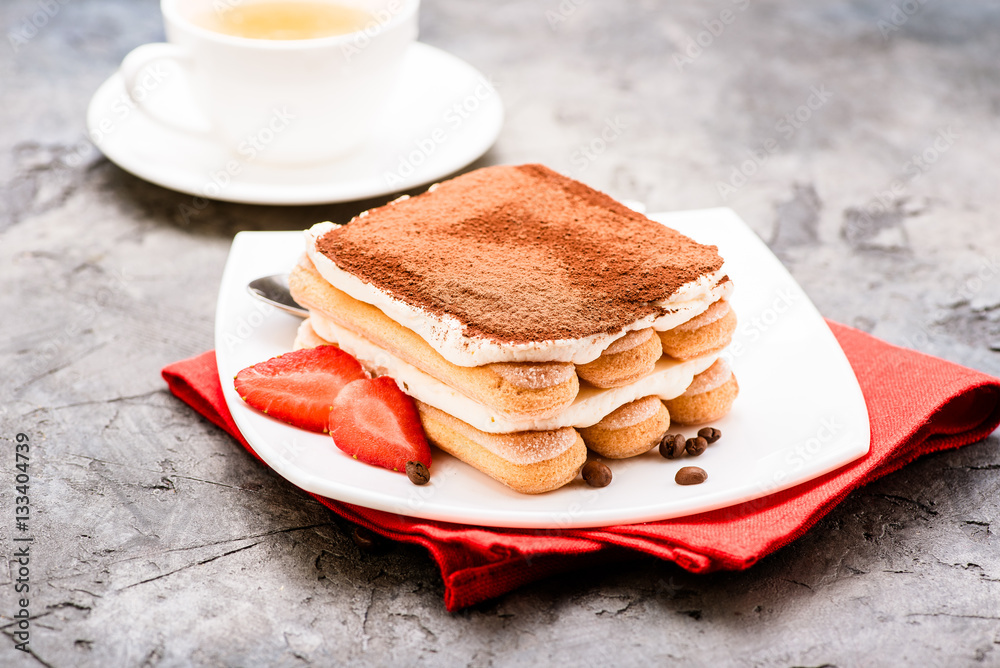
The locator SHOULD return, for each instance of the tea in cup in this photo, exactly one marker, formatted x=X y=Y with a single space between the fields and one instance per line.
x=288 y=82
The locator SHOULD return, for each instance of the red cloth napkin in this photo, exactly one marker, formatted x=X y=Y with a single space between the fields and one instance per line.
x=917 y=404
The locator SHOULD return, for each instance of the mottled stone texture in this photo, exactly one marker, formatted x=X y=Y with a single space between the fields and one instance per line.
x=160 y=542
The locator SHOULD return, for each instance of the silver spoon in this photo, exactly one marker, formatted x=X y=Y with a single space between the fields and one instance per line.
x=273 y=290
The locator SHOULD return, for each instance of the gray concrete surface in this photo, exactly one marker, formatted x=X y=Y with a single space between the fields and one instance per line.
x=160 y=542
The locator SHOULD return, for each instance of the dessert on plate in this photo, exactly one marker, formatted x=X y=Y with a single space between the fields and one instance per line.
x=529 y=316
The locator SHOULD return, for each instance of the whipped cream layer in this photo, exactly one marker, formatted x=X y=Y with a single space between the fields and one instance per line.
x=669 y=379
x=448 y=336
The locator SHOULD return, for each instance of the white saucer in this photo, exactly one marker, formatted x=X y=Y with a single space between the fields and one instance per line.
x=443 y=115
x=800 y=413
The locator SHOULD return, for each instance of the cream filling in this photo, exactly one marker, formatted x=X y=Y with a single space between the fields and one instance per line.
x=446 y=334
x=668 y=379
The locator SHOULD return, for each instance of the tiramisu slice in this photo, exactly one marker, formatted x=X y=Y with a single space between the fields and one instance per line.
x=521 y=309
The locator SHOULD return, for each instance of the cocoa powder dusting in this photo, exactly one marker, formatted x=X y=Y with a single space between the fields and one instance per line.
x=520 y=254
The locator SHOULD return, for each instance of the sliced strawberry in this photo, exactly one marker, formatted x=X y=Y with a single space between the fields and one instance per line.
x=299 y=387
x=374 y=422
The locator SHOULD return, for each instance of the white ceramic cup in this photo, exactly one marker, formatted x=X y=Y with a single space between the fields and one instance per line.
x=280 y=101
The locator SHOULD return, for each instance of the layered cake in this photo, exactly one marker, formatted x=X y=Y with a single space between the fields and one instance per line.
x=530 y=317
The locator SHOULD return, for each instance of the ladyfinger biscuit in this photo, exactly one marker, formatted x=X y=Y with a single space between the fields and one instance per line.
x=708 y=332
x=625 y=361
x=511 y=389
x=630 y=430
x=532 y=477
x=709 y=397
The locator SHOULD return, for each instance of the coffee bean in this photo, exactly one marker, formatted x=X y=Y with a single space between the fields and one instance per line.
x=596 y=474
x=710 y=434
x=695 y=446
x=671 y=446
x=691 y=475
x=417 y=473
x=365 y=540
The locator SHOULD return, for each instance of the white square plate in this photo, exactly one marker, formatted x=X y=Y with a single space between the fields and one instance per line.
x=800 y=412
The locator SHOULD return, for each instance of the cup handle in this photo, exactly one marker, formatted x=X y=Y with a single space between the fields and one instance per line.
x=135 y=65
